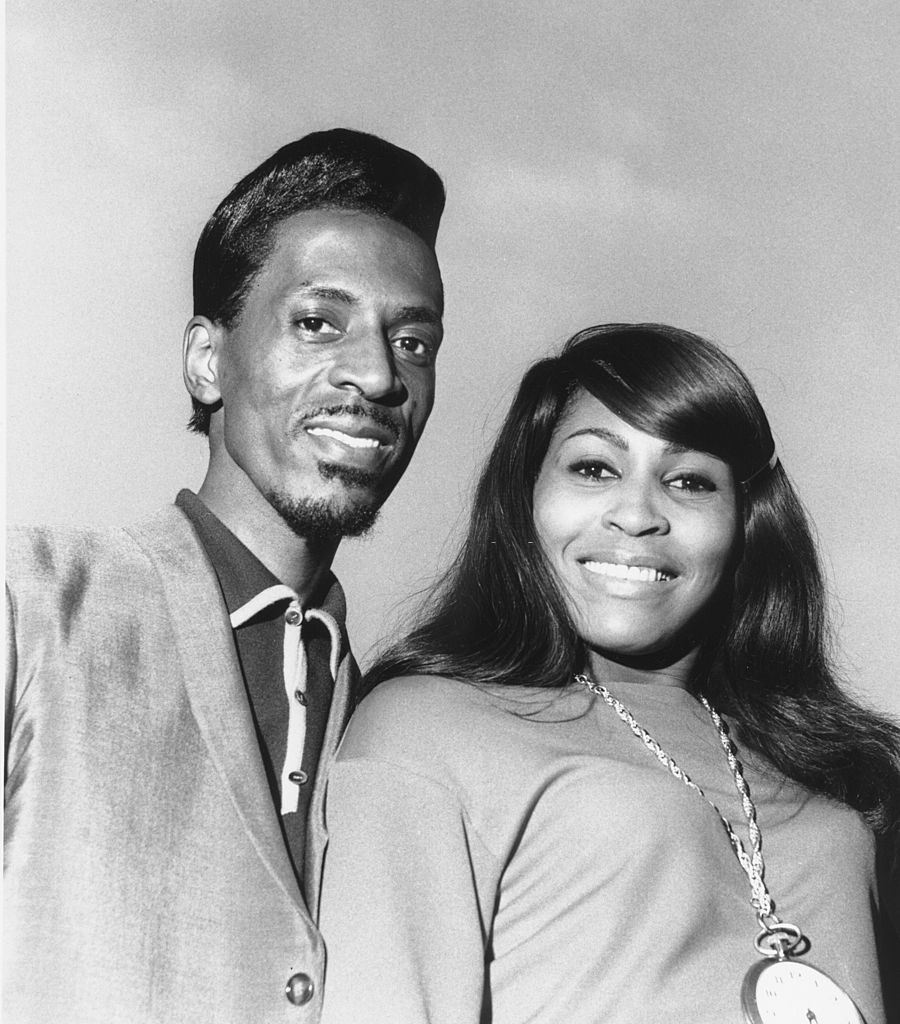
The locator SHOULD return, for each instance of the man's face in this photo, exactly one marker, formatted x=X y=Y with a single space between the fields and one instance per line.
x=327 y=375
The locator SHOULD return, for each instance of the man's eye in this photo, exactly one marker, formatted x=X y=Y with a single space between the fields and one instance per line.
x=316 y=325
x=413 y=346
x=692 y=483
x=592 y=469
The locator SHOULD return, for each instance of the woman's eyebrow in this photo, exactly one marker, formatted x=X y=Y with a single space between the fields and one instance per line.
x=606 y=435
x=670 y=447
x=674 y=448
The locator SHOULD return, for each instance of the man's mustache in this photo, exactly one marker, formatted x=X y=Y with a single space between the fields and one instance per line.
x=369 y=412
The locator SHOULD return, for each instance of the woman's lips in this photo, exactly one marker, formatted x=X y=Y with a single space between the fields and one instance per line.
x=630 y=572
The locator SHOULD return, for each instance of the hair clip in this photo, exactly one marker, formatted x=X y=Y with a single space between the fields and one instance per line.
x=770 y=465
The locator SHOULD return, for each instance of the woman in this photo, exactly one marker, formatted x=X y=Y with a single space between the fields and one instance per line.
x=511 y=835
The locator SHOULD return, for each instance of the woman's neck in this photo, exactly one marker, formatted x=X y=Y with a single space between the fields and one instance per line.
x=663 y=669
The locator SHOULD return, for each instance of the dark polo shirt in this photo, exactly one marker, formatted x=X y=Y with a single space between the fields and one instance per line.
x=260 y=650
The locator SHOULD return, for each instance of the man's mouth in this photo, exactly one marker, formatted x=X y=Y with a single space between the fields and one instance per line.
x=632 y=573
x=354 y=427
x=351 y=440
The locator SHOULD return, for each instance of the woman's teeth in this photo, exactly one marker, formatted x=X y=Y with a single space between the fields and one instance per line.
x=637 y=573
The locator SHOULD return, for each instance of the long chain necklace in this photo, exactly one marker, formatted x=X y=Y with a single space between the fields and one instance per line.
x=779 y=987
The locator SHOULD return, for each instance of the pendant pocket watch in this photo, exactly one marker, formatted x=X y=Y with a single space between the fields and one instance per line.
x=782 y=990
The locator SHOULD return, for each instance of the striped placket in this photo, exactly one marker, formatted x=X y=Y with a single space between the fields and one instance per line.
x=295 y=677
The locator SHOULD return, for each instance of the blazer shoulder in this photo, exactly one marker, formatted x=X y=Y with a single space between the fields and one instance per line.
x=46 y=560
x=72 y=591
x=43 y=554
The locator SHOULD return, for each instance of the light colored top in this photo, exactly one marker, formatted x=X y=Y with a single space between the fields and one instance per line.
x=519 y=856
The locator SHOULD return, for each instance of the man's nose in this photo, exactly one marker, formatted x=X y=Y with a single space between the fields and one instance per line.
x=365 y=364
x=635 y=509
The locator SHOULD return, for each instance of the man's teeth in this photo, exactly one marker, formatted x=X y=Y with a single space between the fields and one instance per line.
x=638 y=573
x=347 y=439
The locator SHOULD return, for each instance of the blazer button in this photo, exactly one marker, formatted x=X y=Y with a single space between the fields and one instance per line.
x=299 y=989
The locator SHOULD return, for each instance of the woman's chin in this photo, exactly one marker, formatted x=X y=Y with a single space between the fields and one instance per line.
x=676 y=656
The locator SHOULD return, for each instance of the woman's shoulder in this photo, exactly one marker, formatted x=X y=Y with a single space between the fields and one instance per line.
x=490 y=749
x=413 y=711
x=415 y=715
x=426 y=698
x=424 y=690
x=428 y=716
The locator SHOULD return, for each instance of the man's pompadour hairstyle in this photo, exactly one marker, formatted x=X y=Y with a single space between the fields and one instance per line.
x=338 y=169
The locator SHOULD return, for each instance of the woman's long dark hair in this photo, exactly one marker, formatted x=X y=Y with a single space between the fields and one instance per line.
x=499 y=617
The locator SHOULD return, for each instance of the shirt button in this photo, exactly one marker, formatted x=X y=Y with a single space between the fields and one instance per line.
x=299 y=778
x=292 y=617
x=299 y=989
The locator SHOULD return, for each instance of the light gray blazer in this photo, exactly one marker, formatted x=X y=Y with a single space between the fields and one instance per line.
x=147 y=879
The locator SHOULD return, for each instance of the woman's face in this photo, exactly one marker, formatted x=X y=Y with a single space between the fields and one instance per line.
x=639 y=531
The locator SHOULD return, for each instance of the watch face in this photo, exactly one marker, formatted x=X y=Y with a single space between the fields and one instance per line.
x=782 y=991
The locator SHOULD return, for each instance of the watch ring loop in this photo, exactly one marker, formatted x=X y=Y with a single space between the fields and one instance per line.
x=779 y=940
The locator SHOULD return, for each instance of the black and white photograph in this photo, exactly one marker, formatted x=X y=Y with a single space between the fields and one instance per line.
x=451 y=482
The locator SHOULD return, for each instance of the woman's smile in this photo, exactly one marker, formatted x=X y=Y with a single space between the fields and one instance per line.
x=630 y=571
x=633 y=573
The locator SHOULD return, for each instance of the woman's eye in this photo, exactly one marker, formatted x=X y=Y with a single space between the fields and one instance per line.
x=692 y=483
x=591 y=469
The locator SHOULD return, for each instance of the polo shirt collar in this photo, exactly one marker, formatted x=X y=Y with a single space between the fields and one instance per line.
x=247 y=585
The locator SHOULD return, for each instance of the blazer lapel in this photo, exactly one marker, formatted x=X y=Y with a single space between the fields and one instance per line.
x=316 y=834
x=214 y=684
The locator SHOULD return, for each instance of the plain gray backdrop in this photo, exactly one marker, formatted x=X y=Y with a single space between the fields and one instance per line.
x=731 y=168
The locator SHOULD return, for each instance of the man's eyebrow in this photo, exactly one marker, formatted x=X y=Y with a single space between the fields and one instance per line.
x=333 y=294
x=416 y=314
x=419 y=314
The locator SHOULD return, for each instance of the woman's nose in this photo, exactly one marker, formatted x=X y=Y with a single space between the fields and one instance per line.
x=635 y=509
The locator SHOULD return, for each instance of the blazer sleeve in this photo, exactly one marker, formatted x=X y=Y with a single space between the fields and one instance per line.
x=407 y=899
x=10 y=683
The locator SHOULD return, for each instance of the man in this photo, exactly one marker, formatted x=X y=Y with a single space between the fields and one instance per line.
x=177 y=688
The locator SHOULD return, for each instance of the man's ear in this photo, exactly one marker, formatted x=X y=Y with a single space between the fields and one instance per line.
x=200 y=359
